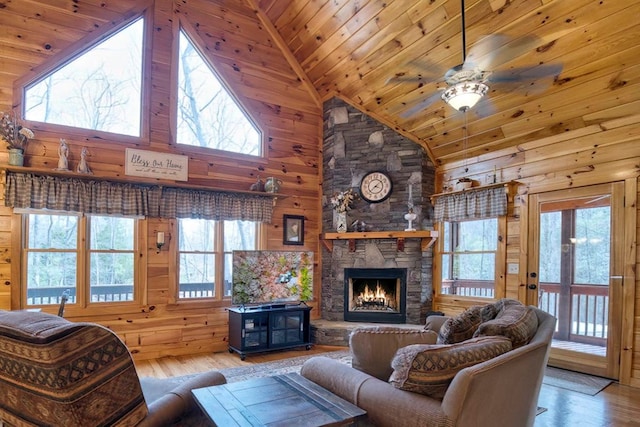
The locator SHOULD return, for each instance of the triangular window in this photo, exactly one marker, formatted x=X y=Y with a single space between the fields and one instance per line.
x=100 y=89
x=208 y=115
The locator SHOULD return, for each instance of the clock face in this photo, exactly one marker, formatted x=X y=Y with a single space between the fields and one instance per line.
x=375 y=187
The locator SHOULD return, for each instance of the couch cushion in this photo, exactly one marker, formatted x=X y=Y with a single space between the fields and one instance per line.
x=462 y=327
x=56 y=372
x=519 y=323
x=373 y=347
x=429 y=369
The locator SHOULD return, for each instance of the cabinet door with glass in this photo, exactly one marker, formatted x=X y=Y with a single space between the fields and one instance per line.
x=288 y=328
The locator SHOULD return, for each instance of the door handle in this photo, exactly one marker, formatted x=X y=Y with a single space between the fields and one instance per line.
x=532 y=286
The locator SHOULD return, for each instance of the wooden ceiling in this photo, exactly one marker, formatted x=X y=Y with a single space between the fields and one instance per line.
x=388 y=58
x=355 y=48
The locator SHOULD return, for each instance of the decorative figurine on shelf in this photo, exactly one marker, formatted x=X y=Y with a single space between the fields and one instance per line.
x=83 y=167
x=63 y=153
x=258 y=185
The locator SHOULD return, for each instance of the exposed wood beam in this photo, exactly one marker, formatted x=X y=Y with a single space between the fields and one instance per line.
x=293 y=62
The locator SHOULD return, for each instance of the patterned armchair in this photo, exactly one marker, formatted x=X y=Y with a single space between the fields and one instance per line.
x=59 y=373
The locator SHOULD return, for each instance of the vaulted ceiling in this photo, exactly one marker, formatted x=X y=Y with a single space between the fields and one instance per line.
x=388 y=58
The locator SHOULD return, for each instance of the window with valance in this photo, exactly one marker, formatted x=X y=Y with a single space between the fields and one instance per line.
x=471 y=204
x=470 y=248
x=91 y=196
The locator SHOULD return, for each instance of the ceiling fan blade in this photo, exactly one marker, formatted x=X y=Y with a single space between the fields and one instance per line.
x=422 y=71
x=421 y=105
x=494 y=50
x=524 y=74
x=484 y=108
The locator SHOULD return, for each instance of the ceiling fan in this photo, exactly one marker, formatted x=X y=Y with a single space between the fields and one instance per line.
x=469 y=82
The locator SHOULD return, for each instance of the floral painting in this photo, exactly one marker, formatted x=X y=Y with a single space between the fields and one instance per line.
x=272 y=276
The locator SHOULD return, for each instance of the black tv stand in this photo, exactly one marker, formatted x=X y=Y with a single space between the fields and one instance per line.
x=269 y=327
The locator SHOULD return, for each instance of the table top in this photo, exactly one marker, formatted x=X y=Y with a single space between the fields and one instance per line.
x=282 y=400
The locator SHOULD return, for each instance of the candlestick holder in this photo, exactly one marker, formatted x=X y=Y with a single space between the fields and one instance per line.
x=410 y=216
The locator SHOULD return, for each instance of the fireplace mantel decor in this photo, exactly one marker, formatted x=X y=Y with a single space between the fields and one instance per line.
x=428 y=238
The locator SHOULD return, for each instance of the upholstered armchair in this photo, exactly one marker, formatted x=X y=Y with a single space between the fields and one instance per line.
x=54 y=372
x=481 y=369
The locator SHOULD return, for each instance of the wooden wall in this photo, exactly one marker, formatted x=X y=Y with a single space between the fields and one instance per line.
x=249 y=59
x=607 y=150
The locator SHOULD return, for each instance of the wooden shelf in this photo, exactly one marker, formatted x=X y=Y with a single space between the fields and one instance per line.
x=428 y=238
x=138 y=180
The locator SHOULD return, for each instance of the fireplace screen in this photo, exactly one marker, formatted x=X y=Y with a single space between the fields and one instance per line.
x=375 y=295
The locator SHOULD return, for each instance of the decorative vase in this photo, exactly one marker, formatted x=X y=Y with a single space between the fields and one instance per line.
x=272 y=185
x=341 y=222
x=16 y=157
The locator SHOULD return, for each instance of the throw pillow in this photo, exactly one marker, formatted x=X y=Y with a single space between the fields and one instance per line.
x=429 y=369
x=519 y=323
x=462 y=327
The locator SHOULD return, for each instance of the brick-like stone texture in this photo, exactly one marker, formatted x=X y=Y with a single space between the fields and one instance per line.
x=351 y=149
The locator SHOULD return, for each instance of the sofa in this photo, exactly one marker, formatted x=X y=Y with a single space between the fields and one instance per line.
x=482 y=368
x=54 y=372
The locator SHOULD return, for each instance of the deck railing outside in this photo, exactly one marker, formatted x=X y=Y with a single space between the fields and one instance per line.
x=110 y=293
x=588 y=312
x=468 y=288
x=587 y=307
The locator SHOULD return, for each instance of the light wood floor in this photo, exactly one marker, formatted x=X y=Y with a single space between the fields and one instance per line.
x=616 y=405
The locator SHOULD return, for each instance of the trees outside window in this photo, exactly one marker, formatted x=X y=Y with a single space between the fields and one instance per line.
x=208 y=115
x=100 y=89
x=205 y=255
x=101 y=270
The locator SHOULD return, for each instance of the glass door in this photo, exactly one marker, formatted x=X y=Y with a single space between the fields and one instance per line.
x=574 y=273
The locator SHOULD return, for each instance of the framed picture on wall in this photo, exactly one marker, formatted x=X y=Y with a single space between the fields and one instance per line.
x=293 y=230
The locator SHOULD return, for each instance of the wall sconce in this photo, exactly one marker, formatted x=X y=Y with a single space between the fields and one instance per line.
x=159 y=240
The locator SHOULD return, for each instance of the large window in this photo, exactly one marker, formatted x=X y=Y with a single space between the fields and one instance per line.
x=208 y=115
x=469 y=258
x=91 y=256
x=205 y=255
x=101 y=89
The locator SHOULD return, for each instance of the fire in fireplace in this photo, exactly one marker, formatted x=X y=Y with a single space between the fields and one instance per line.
x=375 y=295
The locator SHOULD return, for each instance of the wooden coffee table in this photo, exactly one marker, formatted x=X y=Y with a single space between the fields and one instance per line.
x=283 y=400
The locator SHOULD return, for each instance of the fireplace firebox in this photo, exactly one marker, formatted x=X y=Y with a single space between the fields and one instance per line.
x=375 y=295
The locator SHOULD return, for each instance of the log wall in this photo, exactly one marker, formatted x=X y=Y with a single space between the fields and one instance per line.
x=608 y=150
x=249 y=59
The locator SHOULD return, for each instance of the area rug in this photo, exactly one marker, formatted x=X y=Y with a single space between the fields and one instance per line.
x=575 y=381
x=154 y=387
x=279 y=367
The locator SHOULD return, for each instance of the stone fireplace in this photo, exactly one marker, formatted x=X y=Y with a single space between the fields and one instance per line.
x=375 y=295
x=355 y=144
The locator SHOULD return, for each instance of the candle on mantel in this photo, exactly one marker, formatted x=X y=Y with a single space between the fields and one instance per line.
x=410 y=196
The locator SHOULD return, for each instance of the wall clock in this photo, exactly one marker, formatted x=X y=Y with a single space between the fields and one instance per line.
x=375 y=187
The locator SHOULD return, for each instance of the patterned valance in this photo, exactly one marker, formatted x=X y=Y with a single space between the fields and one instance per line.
x=91 y=196
x=471 y=204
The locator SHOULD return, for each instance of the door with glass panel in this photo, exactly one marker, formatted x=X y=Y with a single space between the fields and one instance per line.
x=574 y=272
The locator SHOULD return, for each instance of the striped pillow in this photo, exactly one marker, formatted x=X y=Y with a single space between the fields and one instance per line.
x=429 y=369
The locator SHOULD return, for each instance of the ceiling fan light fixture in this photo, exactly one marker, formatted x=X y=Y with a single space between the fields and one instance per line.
x=464 y=95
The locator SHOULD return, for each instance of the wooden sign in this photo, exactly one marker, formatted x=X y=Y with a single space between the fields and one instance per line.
x=151 y=164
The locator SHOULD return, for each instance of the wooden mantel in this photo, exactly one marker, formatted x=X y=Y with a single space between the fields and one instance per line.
x=428 y=238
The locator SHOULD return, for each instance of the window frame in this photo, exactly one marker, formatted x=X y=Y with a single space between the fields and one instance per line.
x=218 y=299
x=78 y=49
x=499 y=282
x=198 y=44
x=82 y=304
